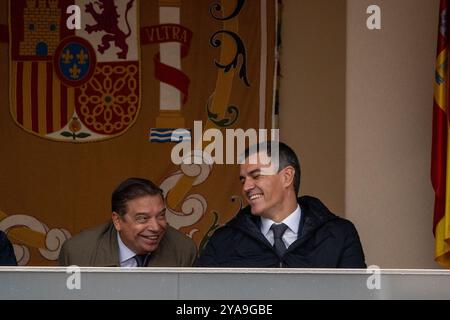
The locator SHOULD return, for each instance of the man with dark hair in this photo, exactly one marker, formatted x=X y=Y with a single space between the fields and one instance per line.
x=137 y=236
x=7 y=257
x=277 y=229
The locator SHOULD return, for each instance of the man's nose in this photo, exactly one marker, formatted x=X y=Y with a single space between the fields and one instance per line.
x=153 y=225
x=248 y=184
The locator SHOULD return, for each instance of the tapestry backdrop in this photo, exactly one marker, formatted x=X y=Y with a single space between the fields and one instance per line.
x=83 y=109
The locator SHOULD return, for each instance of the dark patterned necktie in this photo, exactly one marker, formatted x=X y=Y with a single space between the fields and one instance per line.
x=141 y=260
x=278 y=244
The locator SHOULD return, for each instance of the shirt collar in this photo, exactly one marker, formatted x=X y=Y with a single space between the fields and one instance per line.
x=124 y=252
x=292 y=221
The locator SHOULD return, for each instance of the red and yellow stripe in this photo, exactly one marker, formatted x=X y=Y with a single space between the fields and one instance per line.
x=40 y=102
x=440 y=147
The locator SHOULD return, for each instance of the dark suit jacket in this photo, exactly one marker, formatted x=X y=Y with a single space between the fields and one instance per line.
x=98 y=247
x=325 y=241
x=7 y=257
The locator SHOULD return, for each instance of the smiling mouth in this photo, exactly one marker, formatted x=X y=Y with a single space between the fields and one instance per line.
x=255 y=196
x=150 y=238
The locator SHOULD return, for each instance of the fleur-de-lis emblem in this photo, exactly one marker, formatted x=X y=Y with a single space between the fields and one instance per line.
x=82 y=57
x=74 y=71
x=67 y=57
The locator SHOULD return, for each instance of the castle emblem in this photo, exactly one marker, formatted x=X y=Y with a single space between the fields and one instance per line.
x=74 y=85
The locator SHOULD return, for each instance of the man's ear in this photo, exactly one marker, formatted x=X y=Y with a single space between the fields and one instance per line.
x=288 y=175
x=116 y=219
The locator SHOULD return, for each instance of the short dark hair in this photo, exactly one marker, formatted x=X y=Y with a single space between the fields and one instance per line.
x=130 y=189
x=286 y=154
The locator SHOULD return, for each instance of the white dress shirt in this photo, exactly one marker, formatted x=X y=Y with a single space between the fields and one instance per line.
x=291 y=233
x=126 y=256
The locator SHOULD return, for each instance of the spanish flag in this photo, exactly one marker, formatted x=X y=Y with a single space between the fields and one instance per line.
x=440 y=148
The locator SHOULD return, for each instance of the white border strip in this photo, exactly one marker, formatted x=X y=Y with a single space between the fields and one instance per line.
x=181 y=270
x=170 y=97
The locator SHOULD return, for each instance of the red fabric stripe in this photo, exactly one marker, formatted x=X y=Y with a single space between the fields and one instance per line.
x=63 y=104
x=438 y=162
x=172 y=76
x=49 y=95
x=34 y=98
x=4 y=34
x=440 y=132
x=19 y=94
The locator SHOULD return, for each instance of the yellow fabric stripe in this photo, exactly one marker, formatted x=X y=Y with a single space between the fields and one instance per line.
x=442 y=233
x=25 y=235
x=442 y=248
x=440 y=90
x=42 y=97
x=446 y=217
x=56 y=103
x=28 y=237
x=220 y=102
x=224 y=82
x=26 y=94
x=13 y=106
x=70 y=103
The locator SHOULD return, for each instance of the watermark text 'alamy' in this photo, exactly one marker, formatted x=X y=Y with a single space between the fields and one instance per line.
x=190 y=151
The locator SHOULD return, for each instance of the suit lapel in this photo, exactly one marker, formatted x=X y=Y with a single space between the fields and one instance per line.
x=108 y=249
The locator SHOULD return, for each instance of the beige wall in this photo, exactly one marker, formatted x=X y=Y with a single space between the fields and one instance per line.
x=312 y=94
x=357 y=106
x=388 y=130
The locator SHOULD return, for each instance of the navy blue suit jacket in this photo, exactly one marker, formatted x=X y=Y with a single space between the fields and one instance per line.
x=7 y=257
